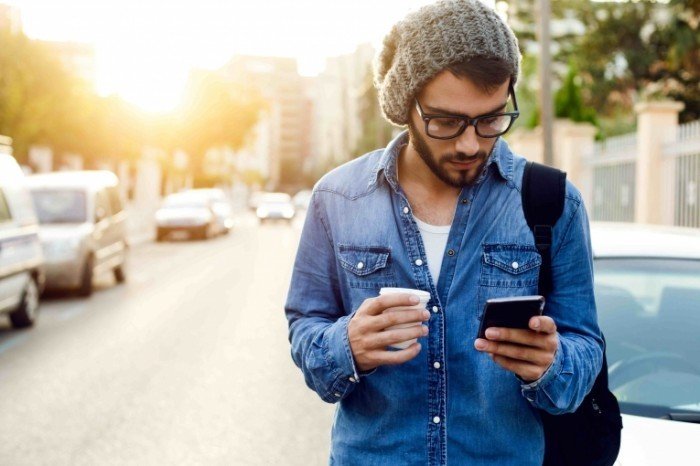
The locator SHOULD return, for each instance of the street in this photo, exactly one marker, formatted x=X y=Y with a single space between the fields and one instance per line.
x=187 y=363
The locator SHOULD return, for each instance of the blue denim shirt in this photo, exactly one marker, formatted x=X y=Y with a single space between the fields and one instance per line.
x=466 y=409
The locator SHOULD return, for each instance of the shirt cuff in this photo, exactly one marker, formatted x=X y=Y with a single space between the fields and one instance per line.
x=550 y=374
x=339 y=357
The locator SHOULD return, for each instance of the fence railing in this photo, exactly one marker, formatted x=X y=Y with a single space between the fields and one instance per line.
x=613 y=164
x=682 y=174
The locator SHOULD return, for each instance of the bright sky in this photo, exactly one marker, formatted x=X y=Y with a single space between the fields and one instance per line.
x=145 y=48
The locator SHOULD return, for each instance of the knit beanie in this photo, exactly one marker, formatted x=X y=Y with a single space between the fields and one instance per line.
x=429 y=40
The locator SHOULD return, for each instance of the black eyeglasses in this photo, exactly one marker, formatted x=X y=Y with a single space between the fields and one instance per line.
x=487 y=126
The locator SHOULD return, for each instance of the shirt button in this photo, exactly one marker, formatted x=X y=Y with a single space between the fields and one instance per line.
x=337 y=395
x=464 y=201
x=515 y=265
x=419 y=262
x=451 y=252
x=436 y=419
x=360 y=265
x=405 y=210
x=435 y=309
x=352 y=379
x=436 y=365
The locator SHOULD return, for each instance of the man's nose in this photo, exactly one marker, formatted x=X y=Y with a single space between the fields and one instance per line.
x=467 y=142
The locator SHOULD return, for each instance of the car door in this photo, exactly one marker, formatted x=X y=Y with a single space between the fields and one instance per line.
x=11 y=282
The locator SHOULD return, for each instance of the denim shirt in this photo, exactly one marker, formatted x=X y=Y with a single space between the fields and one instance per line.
x=451 y=403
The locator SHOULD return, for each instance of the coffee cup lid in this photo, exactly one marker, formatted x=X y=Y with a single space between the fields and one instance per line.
x=422 y=295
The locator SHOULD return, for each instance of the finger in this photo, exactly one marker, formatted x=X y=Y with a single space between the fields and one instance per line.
x=526 y=371
x=390 y=337
x=398 y=316
x=390 y=358
x=375 y=306
x=543 y=324
x=521 y=353
x=522 y=337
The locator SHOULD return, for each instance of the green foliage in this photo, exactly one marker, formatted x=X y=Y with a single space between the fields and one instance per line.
x=376 y=131
x=568 y=101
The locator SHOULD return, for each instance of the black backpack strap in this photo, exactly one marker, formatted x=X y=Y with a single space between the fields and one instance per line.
x=543 y=194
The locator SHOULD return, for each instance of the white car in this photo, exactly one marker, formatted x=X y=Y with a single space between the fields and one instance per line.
x=274 y=206
x=647 y=283
x=220 y=205
x=188 y=212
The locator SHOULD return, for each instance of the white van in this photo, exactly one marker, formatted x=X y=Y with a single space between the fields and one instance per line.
x=21 y=259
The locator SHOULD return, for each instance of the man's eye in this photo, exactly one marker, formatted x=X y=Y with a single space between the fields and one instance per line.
x=447 y=122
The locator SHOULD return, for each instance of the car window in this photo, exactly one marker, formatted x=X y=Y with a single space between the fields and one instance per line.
x=649 y=312
x=60 y=205
x=115 y=200
x=4 y=209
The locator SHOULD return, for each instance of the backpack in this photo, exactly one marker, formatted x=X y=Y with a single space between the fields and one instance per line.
x=591 y=435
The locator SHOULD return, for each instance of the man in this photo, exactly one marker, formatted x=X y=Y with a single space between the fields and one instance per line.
x=440 y=210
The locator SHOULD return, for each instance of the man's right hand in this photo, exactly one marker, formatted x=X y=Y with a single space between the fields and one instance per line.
x=369 y=339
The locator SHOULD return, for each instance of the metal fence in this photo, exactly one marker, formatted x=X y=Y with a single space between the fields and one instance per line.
x=682 y=162
x=613 y=164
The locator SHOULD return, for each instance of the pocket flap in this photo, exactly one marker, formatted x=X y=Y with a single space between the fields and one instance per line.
x=363 y=260
x=512 y=258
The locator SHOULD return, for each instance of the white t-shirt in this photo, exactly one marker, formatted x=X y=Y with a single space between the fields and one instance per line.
x=435 y=241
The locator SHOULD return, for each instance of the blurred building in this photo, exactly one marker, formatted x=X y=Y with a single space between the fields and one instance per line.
x=10 y=19
x=337 y=98
x=278 y=140
x=78 y=58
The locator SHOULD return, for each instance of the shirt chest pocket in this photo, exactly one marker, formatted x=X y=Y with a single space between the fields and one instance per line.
x=510 y=266
x=367 y=266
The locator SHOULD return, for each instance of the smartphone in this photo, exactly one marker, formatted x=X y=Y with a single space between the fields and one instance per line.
x=511 y=312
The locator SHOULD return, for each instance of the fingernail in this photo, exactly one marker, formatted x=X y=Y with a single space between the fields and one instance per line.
x=425 y=330
x=536 y=323
x=414 y=300
x=480 y=344
x=426 y=315
x=492 y=333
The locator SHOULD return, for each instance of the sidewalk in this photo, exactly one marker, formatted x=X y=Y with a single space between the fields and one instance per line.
x=141 y=226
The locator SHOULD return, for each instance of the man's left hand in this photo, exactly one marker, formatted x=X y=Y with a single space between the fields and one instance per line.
x=526 y=352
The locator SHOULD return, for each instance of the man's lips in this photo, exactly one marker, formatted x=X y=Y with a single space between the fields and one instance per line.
x=463 y=165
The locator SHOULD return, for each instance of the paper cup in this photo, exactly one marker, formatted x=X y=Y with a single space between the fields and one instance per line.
x=424 y=297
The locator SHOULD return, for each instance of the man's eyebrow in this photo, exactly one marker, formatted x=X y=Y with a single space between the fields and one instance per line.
x=442 y=111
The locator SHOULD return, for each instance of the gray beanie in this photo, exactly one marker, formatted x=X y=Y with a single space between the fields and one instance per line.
x=429 y=40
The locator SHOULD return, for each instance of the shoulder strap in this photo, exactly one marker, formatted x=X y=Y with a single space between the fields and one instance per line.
x=543 y=194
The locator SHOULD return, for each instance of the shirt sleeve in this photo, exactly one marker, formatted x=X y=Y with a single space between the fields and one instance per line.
x=571 y=304
x=318 y=324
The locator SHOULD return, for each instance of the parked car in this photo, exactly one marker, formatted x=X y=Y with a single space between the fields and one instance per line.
x=83 y=227
x=189 y=212
x=302 y=199
x=21 y=258
x=647 y=284
x=220 y=205
x=275 y=206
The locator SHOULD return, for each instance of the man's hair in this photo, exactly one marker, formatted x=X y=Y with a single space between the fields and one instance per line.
x=487 y=73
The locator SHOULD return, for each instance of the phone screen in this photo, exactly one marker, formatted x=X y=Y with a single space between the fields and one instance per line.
x=511 y=312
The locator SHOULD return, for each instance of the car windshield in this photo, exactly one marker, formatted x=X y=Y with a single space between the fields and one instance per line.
x=184 y=201
x=60 y=205
x=649 y=312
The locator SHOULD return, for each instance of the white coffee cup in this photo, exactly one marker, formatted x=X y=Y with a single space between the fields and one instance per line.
x=424 y=297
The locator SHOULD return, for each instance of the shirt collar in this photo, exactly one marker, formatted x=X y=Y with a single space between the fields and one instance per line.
x=501 y=157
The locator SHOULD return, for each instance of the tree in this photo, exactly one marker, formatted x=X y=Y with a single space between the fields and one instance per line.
x=376 y=131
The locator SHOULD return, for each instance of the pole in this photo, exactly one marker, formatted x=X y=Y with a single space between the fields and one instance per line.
x=545 y=66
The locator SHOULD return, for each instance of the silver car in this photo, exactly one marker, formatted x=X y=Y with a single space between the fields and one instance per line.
x=83 y=227
x=647 y=285
x=21 y=260
x=275 y=206
x=220 y=206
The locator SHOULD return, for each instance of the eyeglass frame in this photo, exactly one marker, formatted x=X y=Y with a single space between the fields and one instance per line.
x=426 y=117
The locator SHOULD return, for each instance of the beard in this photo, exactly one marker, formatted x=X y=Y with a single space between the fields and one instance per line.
x=454 y=178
